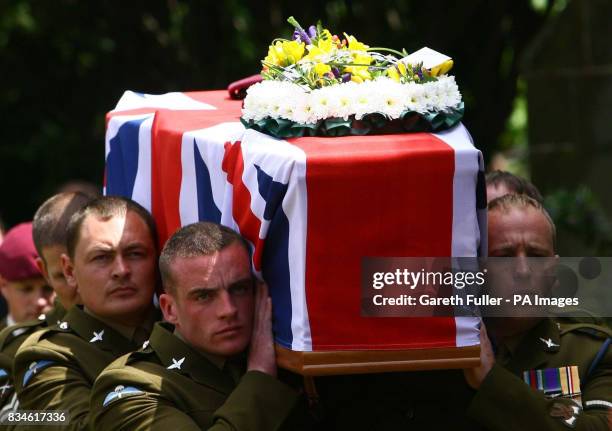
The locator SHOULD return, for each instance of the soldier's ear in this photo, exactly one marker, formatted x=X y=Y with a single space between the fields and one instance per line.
x=168 y=308
x=68 y=270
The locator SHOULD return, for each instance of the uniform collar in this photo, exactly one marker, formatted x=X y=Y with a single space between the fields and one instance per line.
x=55 y=314
x=535 y=347
x=217 y=361
x=93 y=330
x=178 y=356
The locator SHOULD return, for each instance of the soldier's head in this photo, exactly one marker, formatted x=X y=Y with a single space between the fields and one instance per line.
x=500 y=183
x=209 y=288
x=520 y=230
x=111 y=244
x=520 y=226
x=24 y=288
x=49 y=232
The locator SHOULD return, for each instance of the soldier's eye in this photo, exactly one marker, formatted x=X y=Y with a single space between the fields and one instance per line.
x=100 y=258
x=242 y=288
x=204 y=296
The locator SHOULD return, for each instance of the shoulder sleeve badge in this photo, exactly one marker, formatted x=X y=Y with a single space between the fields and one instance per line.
x=567 y=413
x=34 y=368
x=121 y=392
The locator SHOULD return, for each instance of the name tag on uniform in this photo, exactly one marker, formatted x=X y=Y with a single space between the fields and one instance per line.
x=555 y=382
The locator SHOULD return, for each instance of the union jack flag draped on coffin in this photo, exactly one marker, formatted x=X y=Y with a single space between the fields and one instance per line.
x=310 y=207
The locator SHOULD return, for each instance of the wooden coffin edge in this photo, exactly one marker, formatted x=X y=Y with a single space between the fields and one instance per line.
x=376 y=361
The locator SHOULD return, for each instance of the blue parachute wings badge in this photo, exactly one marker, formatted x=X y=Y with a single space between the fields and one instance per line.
x=33 y=369
x=121 y=392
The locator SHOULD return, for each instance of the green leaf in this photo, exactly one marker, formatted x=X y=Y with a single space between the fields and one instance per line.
x=373 y=123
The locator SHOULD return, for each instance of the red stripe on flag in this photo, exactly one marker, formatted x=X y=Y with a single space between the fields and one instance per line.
x=385 y=195
x=249 y=224
x=533 y=379
x=166 y=167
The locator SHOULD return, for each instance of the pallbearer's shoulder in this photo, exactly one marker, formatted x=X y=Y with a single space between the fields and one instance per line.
x=589 y=329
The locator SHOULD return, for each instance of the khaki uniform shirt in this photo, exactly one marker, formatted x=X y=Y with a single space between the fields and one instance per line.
x=170 y=386
x=55 y=368
x=505 y=402
x=11 y=338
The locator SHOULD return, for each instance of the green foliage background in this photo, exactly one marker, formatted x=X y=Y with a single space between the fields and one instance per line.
x=65 y=63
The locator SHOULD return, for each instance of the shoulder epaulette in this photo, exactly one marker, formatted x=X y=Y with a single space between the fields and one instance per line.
x=587 y=328
x=143 y=354
x=60 y=327
x=8 y=334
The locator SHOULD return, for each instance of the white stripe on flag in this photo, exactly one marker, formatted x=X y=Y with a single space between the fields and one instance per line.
x=176 y=101
x=466 y=232
x=142 y=184
x=210 y=144
x=287 y=165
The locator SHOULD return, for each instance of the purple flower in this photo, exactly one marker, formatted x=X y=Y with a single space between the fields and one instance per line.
x=312 y=31
x=301 y=36
x=346 y=77
x=335 y=71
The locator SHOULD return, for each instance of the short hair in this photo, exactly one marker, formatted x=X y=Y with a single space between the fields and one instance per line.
x=506 y=203
x=50 y=222
x=197 y=239
x=514 y=183
x=105 y=208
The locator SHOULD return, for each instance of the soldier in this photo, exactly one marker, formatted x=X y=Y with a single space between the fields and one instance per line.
x=546 y=374
x=191 y=376
x=500 y=183
x=49 y=235
x=111 y=244
x=25 y=290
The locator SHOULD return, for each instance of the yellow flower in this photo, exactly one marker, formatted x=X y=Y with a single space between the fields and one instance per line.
x=393 y=74
x=397 y=71
x=284 y=53
x=360 y=71
x=354 y=44
x=442 y=68
x=322 y=68
x=322 y=48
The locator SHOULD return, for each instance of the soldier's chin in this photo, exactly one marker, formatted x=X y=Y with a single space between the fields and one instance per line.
x=132 y=306
x=230 y=348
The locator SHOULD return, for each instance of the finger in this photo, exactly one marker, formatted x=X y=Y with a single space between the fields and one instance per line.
x=268 y=310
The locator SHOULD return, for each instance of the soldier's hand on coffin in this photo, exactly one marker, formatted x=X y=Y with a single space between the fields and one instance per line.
x=475 y=376
x=261 y=352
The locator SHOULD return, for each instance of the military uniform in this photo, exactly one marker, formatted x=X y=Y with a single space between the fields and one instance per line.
x=505 y=401
x=170 y=386
x=11 y=339
x=55 y=368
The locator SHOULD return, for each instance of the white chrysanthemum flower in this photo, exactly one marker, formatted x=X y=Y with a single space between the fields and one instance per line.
x=303 y=113
x=283 y=99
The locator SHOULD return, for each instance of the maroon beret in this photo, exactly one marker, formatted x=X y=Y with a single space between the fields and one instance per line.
x=18 y=254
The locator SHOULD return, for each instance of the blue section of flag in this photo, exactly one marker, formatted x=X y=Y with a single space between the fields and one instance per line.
x=207 y=210
x=122 y=160
x=275 y=259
